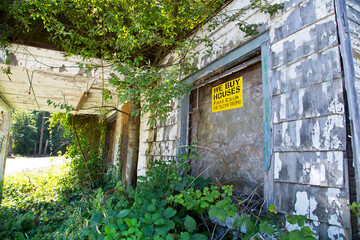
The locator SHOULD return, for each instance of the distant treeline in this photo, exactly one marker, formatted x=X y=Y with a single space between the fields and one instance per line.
x=26 y=134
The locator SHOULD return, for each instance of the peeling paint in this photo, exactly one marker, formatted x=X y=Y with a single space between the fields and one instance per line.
x=316 y=135
x=331 y=140
x=301 y=95
x=333 y=200
x=312 y=208
x=336 y=232
x=287 y=140
x=62 y=68
x=298 y=138
x=302 y=204
x=277 y=166
x=283 y=106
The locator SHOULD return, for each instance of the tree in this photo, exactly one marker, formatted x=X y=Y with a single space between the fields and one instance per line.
x=26 y=131
x=133 y=37
x=23 y=130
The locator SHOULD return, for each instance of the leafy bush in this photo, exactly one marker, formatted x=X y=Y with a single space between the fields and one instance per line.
x=167 y=203
x=24 y=132
x=36 y=206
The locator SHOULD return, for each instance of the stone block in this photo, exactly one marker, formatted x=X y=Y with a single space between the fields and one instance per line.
x=170 y=133
x=160 y=133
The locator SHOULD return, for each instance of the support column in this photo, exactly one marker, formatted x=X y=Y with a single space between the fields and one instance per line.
x=5 y=121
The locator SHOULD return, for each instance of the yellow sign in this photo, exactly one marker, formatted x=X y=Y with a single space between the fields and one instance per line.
x=227 y=95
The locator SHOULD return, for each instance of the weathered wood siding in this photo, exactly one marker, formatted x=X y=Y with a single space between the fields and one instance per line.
x=309 y=132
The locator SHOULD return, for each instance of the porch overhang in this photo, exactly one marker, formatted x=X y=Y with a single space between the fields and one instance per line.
x=31 y=76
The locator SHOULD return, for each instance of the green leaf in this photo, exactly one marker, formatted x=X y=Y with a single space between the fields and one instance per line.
x=271 y=208
x=217 y=212
x=92 y=237
x=263 y=227
x=169 y=212
x=189 y=224
x=306 y=230
x=169 y=237
x=97 y=218
x=198 y=236
x=123 y=213
x=128 y=222
x=159 y=221
x=185 y=236
x=155 y=216
x=107 y=230
x=296 y=219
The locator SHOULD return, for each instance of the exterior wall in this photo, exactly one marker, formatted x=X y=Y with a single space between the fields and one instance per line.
x=165 y=140
x=309 y=131
x=309 y=169
x=157 y=142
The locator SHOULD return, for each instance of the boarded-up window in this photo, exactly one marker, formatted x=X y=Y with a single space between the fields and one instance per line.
x=230 y=142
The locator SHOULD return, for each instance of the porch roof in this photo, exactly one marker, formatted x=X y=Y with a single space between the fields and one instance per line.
x=36 y=75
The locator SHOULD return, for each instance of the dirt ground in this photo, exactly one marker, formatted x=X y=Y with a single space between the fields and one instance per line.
x=26 y=164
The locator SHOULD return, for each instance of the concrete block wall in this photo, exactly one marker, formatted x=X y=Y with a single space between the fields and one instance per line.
x=309 y=130
x=157 y=142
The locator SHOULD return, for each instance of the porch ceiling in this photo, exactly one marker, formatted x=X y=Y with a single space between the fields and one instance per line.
x=38 y=75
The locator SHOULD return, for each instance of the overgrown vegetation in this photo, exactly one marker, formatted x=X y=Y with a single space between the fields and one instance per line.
x=86 y=148
x=166 y=204
x=133 y=38
x=36 y=206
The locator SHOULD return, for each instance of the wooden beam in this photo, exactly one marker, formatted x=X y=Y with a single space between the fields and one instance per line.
x=82 y=100
x=4 y=106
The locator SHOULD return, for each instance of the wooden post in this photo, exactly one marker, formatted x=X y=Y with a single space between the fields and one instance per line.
x=10 y=147
x=133 y=147
x=4 y=141
x=41 y=133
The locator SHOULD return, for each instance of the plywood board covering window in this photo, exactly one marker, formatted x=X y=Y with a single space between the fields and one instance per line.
x=230 y=142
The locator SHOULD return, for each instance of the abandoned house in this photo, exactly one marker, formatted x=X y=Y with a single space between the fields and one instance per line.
x=277 y=113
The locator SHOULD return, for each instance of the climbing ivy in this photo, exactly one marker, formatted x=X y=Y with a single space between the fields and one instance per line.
x=133 y=37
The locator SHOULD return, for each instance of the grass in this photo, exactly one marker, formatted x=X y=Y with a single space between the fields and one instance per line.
x=45 y=204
